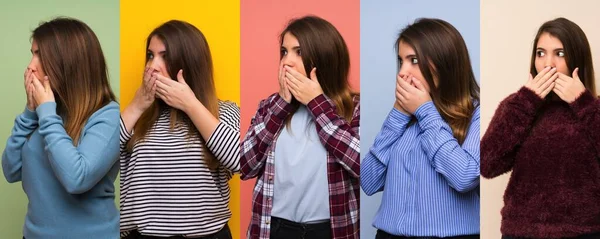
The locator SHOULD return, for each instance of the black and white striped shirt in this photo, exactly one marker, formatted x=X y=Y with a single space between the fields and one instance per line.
x=167 y=188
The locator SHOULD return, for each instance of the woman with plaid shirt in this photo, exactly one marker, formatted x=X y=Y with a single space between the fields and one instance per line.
x=303 y=142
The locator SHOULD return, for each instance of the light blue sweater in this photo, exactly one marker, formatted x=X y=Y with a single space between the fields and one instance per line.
x=70 y=188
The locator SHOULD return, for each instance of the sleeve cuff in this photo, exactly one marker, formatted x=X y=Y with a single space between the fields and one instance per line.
x=46 y=109
x=320 y=104
x=280 y=107
x=28 y=114
x=426 y=114
x=581 y=105
x=396 y=120
x=528 y=99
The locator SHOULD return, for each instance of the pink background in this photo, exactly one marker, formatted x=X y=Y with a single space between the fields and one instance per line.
x=261 y=24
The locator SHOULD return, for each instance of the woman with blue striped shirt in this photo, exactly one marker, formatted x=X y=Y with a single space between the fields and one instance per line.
x=425 y=159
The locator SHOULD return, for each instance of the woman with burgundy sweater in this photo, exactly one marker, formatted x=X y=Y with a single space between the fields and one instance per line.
x=548 y=134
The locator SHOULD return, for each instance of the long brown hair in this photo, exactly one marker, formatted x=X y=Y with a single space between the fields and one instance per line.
x=72 y=58
x=442 y=54
x=187 y=49
x=324 y=48
x=576 y=47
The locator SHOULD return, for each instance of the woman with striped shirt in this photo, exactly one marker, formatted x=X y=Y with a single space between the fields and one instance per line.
x=425 y=159
x=303 y=142
x=179 y=143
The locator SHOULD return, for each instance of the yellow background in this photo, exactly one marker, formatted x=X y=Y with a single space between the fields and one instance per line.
x=219 y=21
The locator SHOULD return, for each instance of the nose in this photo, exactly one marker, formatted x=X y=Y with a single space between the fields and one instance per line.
x=404 y=70
x=154 y=65
x=287 y=61
x=32 y=65
x=550 y=61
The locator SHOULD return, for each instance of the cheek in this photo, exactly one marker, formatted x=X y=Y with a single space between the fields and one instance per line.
x=561 y=66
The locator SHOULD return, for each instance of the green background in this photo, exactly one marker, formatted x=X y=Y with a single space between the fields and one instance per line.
x=19 y=18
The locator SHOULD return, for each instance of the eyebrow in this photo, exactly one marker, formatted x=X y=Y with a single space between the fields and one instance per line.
x=160 y=52
x=557 y=49
x=293 y=48
x=408 y=56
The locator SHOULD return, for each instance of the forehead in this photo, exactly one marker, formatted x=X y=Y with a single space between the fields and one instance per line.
x=549 y=42
x=289 y=40
x=34 y=45
x=156 y=44
x=405 y=49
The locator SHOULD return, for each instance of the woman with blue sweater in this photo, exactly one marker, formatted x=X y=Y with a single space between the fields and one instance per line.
x=425 y=159
x=65 y=145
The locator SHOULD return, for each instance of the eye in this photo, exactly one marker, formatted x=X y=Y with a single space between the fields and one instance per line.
x=299 y=52
x=560 y=53
x=540 y=53
x=414 y=60
x=149 y=55
x=283 y=52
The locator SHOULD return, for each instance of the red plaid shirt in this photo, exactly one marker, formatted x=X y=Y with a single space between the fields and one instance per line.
x=341 y=140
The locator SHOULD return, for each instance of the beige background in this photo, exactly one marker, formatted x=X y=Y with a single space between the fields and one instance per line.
x=508 y=28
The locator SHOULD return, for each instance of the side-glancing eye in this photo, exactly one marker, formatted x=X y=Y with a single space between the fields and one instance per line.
x=560 y=53
x=149 y=55
x=298 y=52
x=540 y=53
x=283 y=51
x=414 y=60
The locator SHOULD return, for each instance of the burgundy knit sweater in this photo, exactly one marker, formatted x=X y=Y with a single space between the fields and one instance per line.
x=553 y=150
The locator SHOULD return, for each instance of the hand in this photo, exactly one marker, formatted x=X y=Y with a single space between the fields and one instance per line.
x=567 y=88
x=303 y=88
x=543 y=82
x=177 y=94
x=397 y=102
x=29 y=89
x=145 y=95
x=411 y=97
x=284 y=91
x=41 y=91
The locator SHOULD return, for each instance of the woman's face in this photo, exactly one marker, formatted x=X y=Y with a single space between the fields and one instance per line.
x=156 y=56
x=549 y=52
x=409 y=64
x=291 y=53
x=35 y=64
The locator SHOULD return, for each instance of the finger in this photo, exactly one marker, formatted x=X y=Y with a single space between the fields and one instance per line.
x=292 y=81
x=313 y=74
x=293 y=91
x=180 y=77
x=37 y=84
x=163 y=79
x=290 y=84
x=46 y=84
x=406 y=86
x=547 y=83
x=576 y=74
x=558 y=92
x=294 y=73
x=546 y=76
x=399 y=97
x=541 y=74
x=546 y=91
x=161 y=95
x=561 y=82
x=161 y=85
x=418 y=84
x=402 y=89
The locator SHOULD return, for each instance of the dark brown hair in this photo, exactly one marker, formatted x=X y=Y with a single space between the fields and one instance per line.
x=72 y=58
x=442 y=54
x=187 y=49
x=576 y=47
x=324 y=48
